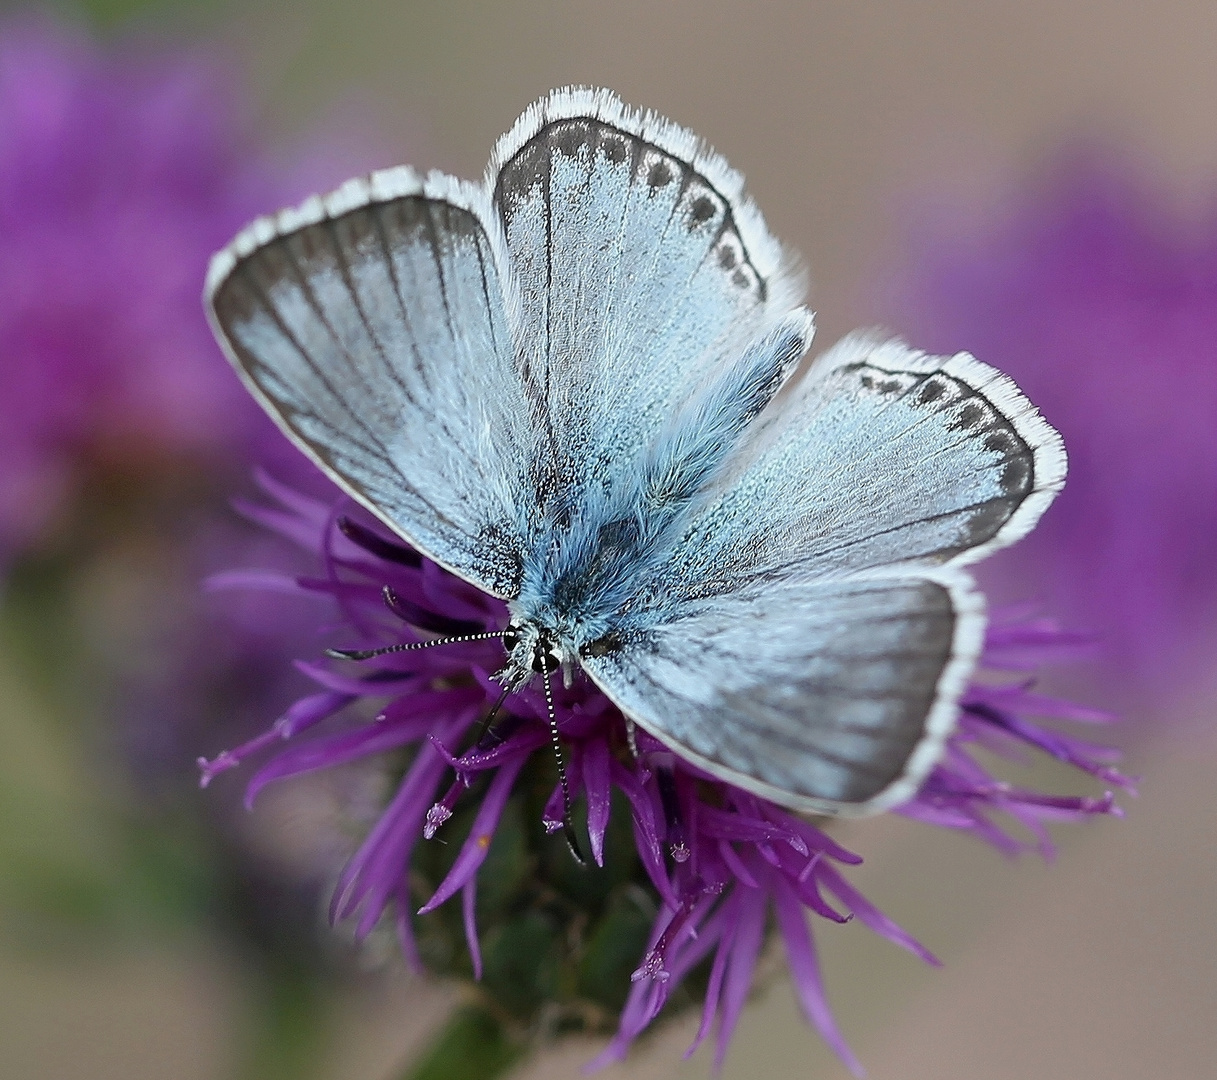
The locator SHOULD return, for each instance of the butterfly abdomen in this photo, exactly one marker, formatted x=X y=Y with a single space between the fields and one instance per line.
x=714 y=419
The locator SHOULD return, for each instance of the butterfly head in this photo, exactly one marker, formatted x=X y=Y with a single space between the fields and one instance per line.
x=531 y=649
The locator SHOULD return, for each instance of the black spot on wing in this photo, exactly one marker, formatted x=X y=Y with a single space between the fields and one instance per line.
x=966 y=411
x=984 y=520
x=523 y=174
x=970 y=415
x=931 y=390
x=702 y=210
x=614 y=149
x=572 y=137
x=886 y=384
x=659 y=175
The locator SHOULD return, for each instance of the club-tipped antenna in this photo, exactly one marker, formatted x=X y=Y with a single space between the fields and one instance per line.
x=367 y=654
x=568 y=826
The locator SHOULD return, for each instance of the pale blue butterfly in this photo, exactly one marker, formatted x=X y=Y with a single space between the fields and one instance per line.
x=562 y=385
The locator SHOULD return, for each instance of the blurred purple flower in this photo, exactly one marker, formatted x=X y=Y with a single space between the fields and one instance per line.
x=1104 y=309
x=121 y=170
x=719 y=859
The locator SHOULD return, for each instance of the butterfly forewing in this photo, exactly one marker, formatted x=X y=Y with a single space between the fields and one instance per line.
x=377 y=336
x=882 y=457
x=640 y=269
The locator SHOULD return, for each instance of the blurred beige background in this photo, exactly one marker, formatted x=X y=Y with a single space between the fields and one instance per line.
x=1104 y=966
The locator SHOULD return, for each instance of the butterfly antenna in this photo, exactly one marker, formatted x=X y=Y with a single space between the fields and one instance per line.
x=568 y=826
x=367 y=654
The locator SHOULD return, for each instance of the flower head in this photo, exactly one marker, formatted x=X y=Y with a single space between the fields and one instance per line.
x=688 y=869
x=1104 y=309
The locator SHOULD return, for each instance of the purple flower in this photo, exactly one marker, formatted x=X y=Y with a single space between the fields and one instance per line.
x=121 y=170
x=1103 y=307
x=718 y=861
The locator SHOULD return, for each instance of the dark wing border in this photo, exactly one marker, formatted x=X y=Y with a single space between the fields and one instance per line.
x=1050 y=463
x=777 y=266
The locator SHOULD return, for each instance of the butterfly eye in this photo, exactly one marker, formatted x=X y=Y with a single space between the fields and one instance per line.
x=546 y=657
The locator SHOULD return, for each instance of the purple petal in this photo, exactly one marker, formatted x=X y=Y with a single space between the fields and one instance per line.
x=302 y=715
x=707 y=923
x=380 y=858
x=597 y=782
x=420 y=704
x=714 y=987
x=1061 y=747
x=310 y=711
x=725 y=825
x=870 y=916
x=405 y=927
x=814 y=838
x=736 y=865
x=555 y=806
x=328 y=752
x=805 y=973
x=468 y=898
x=355 y=685
x=807 y=885
x=647 y=835
x=645 y=998
x=257 y=580
x=523 y=742
x=301 y=532
x=1018 y=697
x=473 y=853
x=314 y=511
x=745 y=946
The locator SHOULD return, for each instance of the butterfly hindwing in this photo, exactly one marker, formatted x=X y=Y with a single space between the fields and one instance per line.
x=829 y=696
x=372 y=325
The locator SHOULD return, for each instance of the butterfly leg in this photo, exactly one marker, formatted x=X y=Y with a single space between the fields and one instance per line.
x=631 y=737
x=487 y=734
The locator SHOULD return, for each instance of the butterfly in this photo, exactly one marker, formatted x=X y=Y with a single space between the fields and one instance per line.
x=574 y=385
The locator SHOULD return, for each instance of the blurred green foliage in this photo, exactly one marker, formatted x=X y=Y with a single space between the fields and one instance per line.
x=92 y=862
x=77 y=853
x=115 y=14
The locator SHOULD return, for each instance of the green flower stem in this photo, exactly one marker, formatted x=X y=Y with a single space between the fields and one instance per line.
x=474 y=1045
